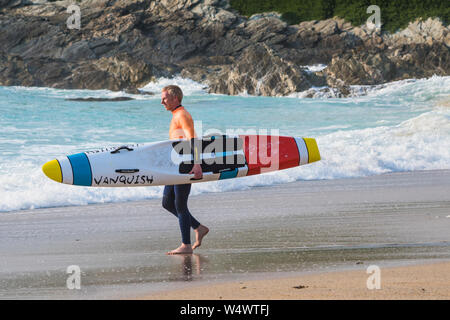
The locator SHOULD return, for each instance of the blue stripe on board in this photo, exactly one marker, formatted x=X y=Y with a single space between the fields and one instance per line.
x=228 y=174
x=82 y=173
x=224 y=154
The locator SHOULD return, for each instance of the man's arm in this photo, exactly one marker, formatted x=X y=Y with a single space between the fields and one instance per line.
x=187 y=125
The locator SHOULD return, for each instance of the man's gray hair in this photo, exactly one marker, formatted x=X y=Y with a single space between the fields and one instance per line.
x=174 y=90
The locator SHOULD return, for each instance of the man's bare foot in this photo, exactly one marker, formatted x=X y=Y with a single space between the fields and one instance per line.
x=200 y=232
x=183 y=249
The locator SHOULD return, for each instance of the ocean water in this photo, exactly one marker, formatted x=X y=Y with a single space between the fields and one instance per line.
x=402 y=126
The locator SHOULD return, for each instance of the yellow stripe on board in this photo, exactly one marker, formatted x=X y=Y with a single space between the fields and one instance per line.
x=52 y=169
x=313 y=150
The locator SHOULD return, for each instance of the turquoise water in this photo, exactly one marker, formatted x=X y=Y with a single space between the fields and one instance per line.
x=403 y=126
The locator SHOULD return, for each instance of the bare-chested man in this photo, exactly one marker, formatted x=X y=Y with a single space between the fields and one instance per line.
x=176 y=196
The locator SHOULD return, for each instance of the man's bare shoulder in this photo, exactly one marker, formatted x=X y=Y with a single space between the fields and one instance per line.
x=183 y=114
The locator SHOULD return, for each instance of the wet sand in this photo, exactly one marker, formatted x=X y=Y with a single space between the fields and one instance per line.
x=281 y=231
x=418 y=282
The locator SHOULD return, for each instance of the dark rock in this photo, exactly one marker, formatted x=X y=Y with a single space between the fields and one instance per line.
x=13 y=3
x=77 y=51
x=91 y=99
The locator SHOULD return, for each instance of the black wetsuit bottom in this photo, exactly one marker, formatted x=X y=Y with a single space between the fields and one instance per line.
x=175 y=200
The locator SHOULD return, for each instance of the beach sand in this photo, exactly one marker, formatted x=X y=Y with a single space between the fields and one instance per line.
x=304 y=230
x=429 y=281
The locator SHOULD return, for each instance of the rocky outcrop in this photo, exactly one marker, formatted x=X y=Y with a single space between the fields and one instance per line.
x=421 y=50
x=124 y=44
x=421 y=32
x=258 y=71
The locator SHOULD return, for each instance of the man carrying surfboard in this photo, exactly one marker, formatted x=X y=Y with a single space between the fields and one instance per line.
x=175 y=197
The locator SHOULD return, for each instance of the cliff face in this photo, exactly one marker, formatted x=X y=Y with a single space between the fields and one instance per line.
x=127 y=43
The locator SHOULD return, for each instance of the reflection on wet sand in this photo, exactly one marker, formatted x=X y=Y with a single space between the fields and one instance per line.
x=189 y=264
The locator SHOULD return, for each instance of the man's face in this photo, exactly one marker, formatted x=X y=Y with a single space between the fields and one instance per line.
x=168 y=101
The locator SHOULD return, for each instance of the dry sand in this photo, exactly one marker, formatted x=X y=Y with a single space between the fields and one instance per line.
x=428 y=281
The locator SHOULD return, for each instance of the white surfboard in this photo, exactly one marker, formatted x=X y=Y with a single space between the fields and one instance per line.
x=169 y=162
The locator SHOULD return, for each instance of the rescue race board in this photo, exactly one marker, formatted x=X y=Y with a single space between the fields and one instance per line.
x=169 y=162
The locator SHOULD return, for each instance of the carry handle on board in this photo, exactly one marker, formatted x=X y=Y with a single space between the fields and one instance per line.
x=219 y=171
x=122 y=147
x=127 y=170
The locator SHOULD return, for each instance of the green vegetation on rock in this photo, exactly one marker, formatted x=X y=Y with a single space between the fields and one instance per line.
x=395 y=14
